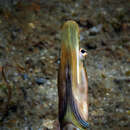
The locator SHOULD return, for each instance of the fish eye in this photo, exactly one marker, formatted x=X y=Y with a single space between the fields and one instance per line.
x=83 y=51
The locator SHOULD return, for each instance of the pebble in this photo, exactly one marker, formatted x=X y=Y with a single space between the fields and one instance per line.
x=40 y=81
x=48 y=123
x=96 y=29
x=25 y=76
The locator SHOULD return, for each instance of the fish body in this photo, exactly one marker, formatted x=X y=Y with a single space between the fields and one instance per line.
x=72 y=81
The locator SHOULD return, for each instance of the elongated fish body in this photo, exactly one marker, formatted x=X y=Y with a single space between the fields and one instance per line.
x=72 y=81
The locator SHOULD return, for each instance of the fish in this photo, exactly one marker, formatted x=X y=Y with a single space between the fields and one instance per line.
x=72 y=81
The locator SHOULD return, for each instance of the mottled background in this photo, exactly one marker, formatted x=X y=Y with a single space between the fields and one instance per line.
x=29 y=57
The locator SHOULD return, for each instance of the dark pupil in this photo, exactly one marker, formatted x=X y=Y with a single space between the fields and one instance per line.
x=83 y=51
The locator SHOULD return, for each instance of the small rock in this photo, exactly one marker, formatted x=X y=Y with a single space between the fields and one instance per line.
x=25 y=76
x=127 y=73
x=96 y=29
x=48 y=123
x=40 y=81
x=31 y=25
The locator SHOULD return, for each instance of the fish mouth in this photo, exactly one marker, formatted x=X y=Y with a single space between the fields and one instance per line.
x=70 y=72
